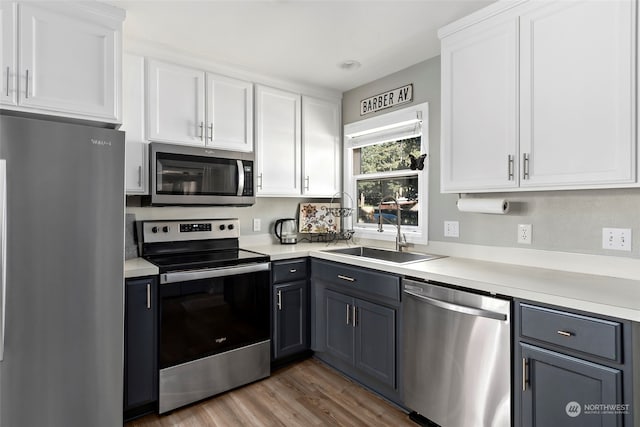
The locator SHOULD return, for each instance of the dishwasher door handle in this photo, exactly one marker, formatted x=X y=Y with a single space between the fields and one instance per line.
x=457 y=307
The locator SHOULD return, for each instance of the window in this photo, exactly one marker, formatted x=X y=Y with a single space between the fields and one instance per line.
x=378 y=170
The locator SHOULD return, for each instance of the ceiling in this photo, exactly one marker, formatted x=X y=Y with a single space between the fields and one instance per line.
x=302 y=41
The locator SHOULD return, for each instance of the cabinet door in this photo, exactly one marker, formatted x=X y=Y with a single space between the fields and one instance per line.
x=175 y=103
x=69 y=63
x=559 y=386
x=8 y=56
x=278 y=144
x=136 y=164
x=577 y=93
x=339 y=328
x=290 y=333
x=141 y=374
x=376 y=341
x=320 y=147
x=229 y=113
x=479 y=107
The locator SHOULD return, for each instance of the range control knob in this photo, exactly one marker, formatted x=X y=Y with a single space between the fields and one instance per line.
x=154 y=229
x=222 y=227
x=165 y=229
x=230 y=226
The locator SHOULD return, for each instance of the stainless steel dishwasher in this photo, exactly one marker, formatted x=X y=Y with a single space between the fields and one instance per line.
x=457 y=356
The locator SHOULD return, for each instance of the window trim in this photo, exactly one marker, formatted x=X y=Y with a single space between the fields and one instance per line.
x=366 y=133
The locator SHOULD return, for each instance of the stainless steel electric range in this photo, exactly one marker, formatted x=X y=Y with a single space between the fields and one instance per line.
x=214 y=308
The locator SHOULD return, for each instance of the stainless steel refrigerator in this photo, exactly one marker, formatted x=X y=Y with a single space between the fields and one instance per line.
x=61 y=241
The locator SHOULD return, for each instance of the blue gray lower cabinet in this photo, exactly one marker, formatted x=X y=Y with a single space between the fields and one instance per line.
x=141 y=347
x=355 y=330
x=290 y=308
x=572 y=368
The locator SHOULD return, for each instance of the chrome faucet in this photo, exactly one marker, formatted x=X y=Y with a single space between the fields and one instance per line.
x=401 y=240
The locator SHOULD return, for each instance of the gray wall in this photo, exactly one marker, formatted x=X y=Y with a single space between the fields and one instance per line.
x=567 y=221
x=267 y=209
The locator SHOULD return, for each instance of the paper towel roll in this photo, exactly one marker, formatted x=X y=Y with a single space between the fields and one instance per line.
x=490 y=206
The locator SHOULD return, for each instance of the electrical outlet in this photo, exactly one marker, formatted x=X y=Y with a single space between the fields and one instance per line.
x=524 y=234
x=256 y=224
x=451 y=229
x=617 y=239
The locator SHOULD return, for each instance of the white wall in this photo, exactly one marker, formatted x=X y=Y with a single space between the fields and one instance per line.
x=567 y=221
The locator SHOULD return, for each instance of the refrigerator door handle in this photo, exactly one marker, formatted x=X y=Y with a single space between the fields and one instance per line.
x=3 y=255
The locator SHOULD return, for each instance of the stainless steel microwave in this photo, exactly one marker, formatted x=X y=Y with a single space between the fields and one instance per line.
x=184 y=175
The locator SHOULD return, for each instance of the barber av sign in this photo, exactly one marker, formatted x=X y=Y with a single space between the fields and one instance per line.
x=387 y=99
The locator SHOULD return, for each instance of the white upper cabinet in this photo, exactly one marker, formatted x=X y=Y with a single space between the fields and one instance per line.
x=577 y=93
x=136 y=145
x=480 y=107
x=68 y=59
x=8 y=55
x=229 y=113
x=189 y=106
x=538 y=96
x=321 y=148
x=278 y=142
x=175 y=103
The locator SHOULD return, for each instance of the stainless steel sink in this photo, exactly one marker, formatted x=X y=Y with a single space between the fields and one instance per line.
x=385 y=255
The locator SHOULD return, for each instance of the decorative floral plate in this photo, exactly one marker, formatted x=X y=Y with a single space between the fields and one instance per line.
x=319 y=218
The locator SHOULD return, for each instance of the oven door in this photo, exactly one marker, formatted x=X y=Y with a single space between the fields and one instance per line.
x=208 y=312
x=199 y=176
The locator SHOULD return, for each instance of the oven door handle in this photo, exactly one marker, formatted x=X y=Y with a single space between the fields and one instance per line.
x=185 y=276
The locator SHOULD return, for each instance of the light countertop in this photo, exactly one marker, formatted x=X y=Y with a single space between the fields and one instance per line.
x=604 y=295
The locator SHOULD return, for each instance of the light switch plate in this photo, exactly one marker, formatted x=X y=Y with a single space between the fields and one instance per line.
x=256 y=224
x=451 y=229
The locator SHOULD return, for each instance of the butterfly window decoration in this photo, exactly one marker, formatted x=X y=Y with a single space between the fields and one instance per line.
x=417 y=162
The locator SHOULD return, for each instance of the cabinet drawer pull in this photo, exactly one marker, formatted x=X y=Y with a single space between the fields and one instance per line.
x=260 y=182
x=148 y=296
x=26 y=89
x=566 y=334
x=201 y=131
x=306 y=183
x=347 y=278
x=293 y=270
x=8 y=81
x=525 y=166
x=139 y=176
x=210 y=131
x=279 y=300
x=524 y=374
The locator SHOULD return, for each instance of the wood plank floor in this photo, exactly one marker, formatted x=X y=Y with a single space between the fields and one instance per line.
x=307 y=393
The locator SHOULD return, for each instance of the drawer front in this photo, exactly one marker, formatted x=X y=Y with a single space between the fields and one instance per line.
x=360 y=279
x=589 y=335
x=289 y=271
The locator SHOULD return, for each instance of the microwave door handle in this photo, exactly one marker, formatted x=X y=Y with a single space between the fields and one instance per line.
x=240 y=178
